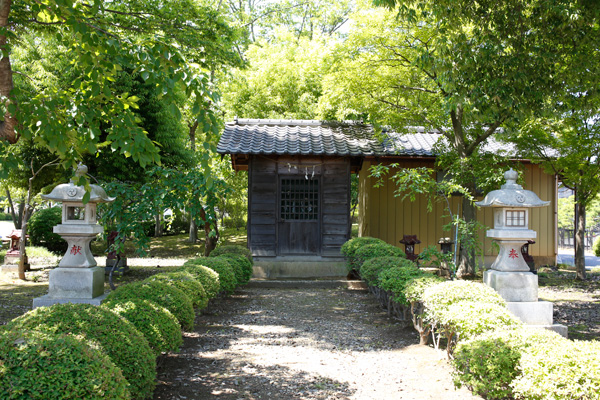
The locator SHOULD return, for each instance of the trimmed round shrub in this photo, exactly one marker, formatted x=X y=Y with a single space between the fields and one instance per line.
x=116 y=337
x=40 y=229
x=169 y=297
x=438 y=298
x=232 y=249
x=566 y=370
x=38 y=366
x=466 y=319
x=416 y=287
x=488 y=364
x=156 y=323
x=187 y=283
x=241 y=266
x=376 y=250
x=208 y=277
x=373 y=266
x=395 y=279
x=596 y=247
x=349 y=248
x=227 y=277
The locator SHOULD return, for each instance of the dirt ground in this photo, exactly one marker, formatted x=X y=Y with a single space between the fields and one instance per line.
x=303 y=344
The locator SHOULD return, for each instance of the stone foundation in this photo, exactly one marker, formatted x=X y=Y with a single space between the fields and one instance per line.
x=513 y=286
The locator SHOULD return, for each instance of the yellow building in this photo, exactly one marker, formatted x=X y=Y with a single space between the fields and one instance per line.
x=388 y=217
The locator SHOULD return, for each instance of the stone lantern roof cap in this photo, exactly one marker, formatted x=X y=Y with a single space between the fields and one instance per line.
x=512 y=195
x=71 y=193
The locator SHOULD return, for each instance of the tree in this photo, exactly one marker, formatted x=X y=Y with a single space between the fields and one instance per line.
x=564 y=134
x=99 y=40
x=462 y=68
x=69 y=101
x=283 y=79
x=568 y=145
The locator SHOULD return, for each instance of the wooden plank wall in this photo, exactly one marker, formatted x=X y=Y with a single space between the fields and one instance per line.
x=263 y=200
x=336 y=225
x=383 y=215
x=262 y=207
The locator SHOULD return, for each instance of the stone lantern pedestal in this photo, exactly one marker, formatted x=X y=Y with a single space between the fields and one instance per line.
x=510 y=275
x=77 y=279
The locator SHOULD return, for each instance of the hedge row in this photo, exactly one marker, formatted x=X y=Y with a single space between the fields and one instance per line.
x=75 y=351
x=493 y=353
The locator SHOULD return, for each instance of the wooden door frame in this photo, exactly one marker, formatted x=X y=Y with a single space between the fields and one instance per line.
x=280 y=177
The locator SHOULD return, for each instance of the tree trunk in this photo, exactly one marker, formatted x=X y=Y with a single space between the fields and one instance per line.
x=579 y=239
x=7 y=125
x=16 y=217
x=158 y=228
x=210 y=240
x=466 y=257
x=23 y=241
x=193 y=235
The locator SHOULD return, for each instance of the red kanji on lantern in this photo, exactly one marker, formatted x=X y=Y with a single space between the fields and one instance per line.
x=75 y=250
x=513 y=254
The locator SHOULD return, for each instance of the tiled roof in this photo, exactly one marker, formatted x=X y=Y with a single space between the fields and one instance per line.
x=308 y=137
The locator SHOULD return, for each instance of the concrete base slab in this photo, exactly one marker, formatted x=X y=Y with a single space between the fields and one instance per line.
x=279 y=267
x=532 y=313
x=301 y=283
x=79 y=283
x=562 y=330
x=513 y=286
x=47 y=301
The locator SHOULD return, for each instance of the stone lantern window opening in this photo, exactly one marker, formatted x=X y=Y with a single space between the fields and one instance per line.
x=75 y=213
x=516 y=218
x=78 y=213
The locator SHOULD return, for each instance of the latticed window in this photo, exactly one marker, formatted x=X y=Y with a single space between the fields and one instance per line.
x=300 y=199
x=515 y=218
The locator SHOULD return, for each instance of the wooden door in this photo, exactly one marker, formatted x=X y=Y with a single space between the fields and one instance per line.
x=299 y=216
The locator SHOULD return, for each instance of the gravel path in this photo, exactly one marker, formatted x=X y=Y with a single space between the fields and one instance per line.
x=303 y=344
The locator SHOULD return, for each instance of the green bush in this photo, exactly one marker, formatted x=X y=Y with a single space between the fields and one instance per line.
x=227 y=277
x=438 y=298
x=488 y=364
x=395 y=279
x=169 y=297
x=457 y=309
x=349 y=249
x=40 y=229
x=206 y=276
x=242 y=267
x=127 y=348
x=596 y=247
x=370 y=270
x=466 y=319
x=565 y=370
x=155 y=322
x=5 y=217
x=232 y=249
x=185 y=282
x=416 y=287
x=38 y=366
x=375 y=250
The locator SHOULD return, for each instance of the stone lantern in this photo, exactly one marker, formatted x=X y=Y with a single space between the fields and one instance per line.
x=510 y=275
x=409 y=242
x=77 y=279
x=13 y=255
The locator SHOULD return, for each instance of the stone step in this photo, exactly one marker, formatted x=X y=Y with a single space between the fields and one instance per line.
x=306 y=283
x=299 y=268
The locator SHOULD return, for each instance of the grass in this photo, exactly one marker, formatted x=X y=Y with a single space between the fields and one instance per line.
x=174 y=246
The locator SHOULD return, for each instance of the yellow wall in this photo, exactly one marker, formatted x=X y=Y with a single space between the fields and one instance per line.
x=386 y=216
